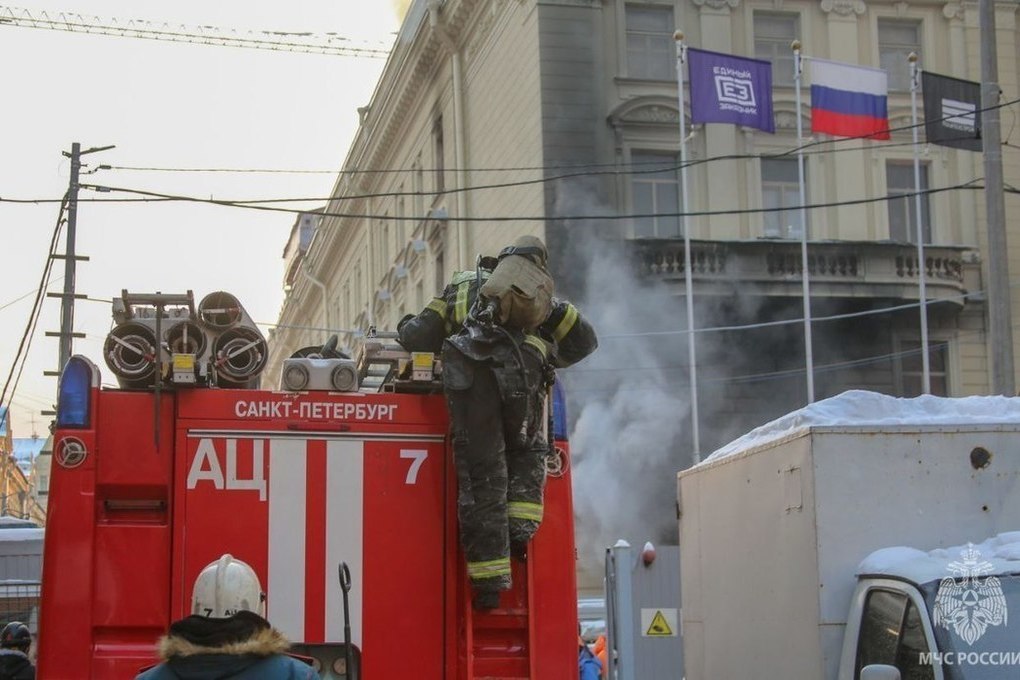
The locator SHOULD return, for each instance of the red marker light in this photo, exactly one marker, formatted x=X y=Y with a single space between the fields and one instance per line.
x=648 y=554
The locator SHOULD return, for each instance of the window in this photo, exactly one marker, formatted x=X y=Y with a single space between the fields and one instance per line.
x=438 y=155
x=780 y=188
x=911 y=368
x=773 y=34
x=892 y=633
x=899 y=180
x=655 y=190
x=896 y=40
x=651 y=53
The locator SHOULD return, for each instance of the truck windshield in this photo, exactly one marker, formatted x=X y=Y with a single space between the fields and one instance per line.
x=969 y=618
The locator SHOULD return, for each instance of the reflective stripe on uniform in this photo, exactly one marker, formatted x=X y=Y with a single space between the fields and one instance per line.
x=460 y=308
x=438 y=305
x=537 y=343
x=566 y=323
x=490 y=569
x=525 y=510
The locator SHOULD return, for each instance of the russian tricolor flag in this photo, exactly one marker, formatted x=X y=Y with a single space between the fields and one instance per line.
x=849 y=100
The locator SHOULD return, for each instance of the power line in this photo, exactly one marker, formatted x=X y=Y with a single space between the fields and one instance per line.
x=26 y=339
x=260 y=205
x=751 y=326
x=31 y=292
x=613 y=169
x=610 y=167
x=277 y=41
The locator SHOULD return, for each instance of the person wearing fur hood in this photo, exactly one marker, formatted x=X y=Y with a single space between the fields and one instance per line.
x=224 y=638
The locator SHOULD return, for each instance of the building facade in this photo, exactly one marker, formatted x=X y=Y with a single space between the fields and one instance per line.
x=498 y=118
x=560 y=118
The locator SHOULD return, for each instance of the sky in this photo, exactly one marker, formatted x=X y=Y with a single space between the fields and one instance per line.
x=167 y=105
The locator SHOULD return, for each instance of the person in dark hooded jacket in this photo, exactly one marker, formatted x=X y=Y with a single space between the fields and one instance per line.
x=15 y=640
x=226 y=638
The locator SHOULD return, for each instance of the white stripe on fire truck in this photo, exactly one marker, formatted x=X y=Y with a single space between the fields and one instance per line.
x=285 y=589
x=345 y=482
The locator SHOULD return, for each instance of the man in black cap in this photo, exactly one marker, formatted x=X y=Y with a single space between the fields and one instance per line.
x=15 y=641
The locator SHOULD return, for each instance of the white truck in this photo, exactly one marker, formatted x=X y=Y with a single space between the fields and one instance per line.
x=863 y=537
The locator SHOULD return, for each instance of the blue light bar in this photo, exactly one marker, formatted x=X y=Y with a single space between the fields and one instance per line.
x=73 y=401
x=559 y=412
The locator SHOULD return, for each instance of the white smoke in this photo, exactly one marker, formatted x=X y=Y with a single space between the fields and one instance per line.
x=630 y=401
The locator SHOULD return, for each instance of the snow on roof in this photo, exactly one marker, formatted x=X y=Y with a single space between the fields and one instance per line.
x=864 y=408
x=997 y=555
x=21 y=534
x=11 y=522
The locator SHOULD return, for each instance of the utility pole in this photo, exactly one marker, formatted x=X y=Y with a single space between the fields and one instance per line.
x=66 y=333
x=999 y=308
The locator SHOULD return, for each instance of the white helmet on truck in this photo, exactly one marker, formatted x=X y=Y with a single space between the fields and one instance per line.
x=225 y=587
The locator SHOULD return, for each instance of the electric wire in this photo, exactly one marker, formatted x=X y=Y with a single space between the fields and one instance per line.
x=968 y=185
x=31 y=292
x=26 y=339
x=769 y=375
x=754 y=377
x=277 y=41
x=610 y=167
x=616 y=170
x=613 y=169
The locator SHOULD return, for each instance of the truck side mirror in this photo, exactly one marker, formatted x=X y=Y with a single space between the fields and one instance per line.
x=880 y=671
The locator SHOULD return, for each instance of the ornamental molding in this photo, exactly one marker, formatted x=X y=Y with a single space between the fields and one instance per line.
x=787 y=120
x=718 y=4
x=653 y=113
x=953 y=11
x=844 y=7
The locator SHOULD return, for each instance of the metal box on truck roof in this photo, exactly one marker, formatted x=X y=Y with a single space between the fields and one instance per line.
x=771 y=535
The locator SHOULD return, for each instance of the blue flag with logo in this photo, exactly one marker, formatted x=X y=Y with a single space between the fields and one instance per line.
x=728 y=89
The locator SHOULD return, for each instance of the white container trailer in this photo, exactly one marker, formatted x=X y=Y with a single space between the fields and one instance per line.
x=773 y=527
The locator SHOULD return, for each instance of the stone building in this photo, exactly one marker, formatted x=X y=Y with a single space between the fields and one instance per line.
x=560 y=118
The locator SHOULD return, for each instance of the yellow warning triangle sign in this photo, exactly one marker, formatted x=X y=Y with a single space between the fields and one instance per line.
x=659 y=626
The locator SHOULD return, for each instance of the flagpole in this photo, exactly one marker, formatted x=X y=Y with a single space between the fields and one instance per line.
x=805 y=285
x=921 y=265
x=681 y=50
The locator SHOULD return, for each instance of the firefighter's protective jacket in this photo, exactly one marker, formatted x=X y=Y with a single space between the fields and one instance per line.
x=242 y=647
x=493 y=377
x=563 y=339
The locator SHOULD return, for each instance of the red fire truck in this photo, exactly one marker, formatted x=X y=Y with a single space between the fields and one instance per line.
x=151 y=484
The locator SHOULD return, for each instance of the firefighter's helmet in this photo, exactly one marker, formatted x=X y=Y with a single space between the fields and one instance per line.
x=226 y=587
x=530 y=247
x=15 y=635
